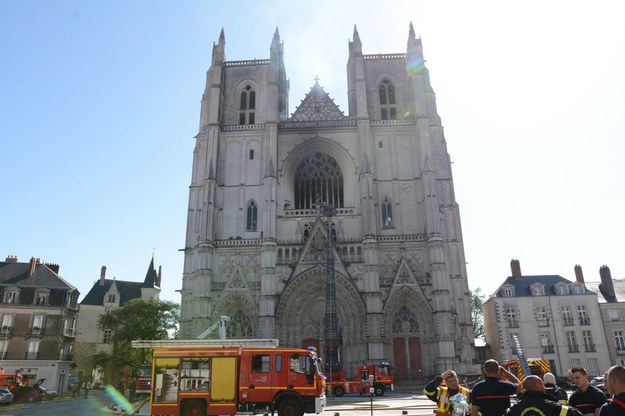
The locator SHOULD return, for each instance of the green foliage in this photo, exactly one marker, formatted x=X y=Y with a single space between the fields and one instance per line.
x=138 y=319
x=477 y=299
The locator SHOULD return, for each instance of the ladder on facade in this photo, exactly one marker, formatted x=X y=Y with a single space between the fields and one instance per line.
x=521 y=356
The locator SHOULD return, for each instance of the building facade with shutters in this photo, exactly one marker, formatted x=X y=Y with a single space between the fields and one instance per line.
x=257 y=241
x=554 y=319
x=38 y=311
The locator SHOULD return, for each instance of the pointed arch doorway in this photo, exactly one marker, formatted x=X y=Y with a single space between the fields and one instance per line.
x=406 y=345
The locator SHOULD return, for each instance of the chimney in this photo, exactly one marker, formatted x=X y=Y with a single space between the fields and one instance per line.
x=11 y=259
x=33 y=264
x=606 y=287
x=579 y=276
x=53 y=266
x=515 y=267
x=102 y=275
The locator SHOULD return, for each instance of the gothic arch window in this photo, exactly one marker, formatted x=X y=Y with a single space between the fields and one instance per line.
x=405 y=321
x=252 y=216
x=318 y=179
x=240 y=326
x=247 y=107
x=387 y=213
x=388 y=110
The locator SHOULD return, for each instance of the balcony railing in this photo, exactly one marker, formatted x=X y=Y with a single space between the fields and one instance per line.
x=513 y=323
x=547 y=349
x=543 y=322
x=69 y=332
x=584 y=320
x=568 y=321
x=573 y=348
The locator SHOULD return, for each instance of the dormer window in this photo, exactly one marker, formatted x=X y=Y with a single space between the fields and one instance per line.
x=562 y=290
x=388 y=110
x=577 y=289
x=11 y=295
x=111 y=298
x=507 y=292
x=247 y=106
x=42 y=297
x=537 y=290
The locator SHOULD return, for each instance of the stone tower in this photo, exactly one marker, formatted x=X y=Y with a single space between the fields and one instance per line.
x=256 y=242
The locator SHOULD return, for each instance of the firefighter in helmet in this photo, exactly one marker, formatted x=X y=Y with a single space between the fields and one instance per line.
x=441 y=388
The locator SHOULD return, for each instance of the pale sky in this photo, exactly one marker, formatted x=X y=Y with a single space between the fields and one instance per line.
x=100 y=103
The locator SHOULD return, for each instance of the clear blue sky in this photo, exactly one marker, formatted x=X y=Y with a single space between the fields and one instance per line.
x=100 y=103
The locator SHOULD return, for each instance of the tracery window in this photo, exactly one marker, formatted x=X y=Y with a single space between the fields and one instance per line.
x=387 y=213
x=388 y=110
x=247 y=106
x=252 y=216
x=239 y=326
x=405 y=321
x=318 y=179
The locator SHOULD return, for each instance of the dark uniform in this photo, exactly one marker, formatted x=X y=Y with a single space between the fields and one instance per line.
x=587 y=401
x=538 y=404
x=614 y=407
x=492 y=396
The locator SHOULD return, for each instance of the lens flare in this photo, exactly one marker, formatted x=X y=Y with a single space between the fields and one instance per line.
x=118 y=398
x=415 y=65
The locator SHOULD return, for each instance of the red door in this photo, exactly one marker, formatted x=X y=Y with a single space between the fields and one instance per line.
x=407 y=358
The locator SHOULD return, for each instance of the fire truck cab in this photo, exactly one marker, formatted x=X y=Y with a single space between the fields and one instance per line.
x=225 y=377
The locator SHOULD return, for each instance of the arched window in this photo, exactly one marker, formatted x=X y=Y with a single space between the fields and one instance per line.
x=11 y=295
x=388 y=110
x=247 y=106
x=252 y=216
x=318 y=179
x=240 y=326
x=387 y=213
x=405 y=321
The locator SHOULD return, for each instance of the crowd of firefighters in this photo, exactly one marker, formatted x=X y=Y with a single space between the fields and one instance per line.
x=490 y=395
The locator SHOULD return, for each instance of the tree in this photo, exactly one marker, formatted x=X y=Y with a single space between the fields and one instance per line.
x=477 y=314
x=138 y=319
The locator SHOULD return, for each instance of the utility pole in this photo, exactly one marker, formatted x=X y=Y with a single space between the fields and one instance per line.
x=331 y=319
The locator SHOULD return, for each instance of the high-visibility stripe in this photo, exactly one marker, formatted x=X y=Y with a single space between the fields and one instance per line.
x=564 y=410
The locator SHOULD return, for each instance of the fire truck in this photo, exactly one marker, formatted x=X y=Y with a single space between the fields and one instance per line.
x=537 y=366
x=374 y=373
x=225 y=377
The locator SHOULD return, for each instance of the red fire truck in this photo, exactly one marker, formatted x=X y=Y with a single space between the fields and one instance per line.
x=376 y=371
x=225 y=377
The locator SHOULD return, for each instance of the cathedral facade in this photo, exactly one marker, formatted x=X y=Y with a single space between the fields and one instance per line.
x=259 y=248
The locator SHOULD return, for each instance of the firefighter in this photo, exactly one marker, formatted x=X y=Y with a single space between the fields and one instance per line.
x=491 y=396
x=441 y=393
x=534 y=402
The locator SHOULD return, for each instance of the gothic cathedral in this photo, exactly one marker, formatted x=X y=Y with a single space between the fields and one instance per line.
x=280 y=204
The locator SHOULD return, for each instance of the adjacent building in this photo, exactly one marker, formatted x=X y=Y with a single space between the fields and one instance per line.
x=38 y=311
x=612 y=306
x=321 y=216
x=554 y=318
x=104 y=295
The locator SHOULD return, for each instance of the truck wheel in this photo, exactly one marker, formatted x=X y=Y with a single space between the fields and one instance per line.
x=338 y=391
x=378 y=389
x=289 y=407
x=194 y=408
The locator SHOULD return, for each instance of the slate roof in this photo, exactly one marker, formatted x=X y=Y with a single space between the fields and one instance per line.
x=619 y=290
x=15 y=274
x=127 y=290
x=522 y=285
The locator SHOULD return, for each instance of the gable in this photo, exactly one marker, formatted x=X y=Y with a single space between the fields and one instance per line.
x=317 y=106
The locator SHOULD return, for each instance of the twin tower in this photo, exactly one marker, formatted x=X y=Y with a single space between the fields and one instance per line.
x=257 y=246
